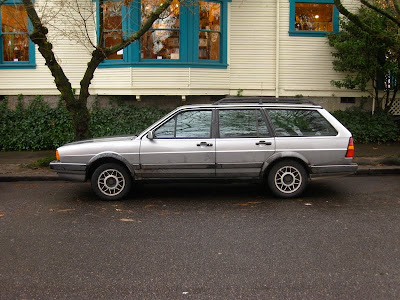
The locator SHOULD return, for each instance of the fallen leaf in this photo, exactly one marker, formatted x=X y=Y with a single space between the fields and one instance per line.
x=66 y=210
x=1 y=215
x=127 y=220
x=149 y=206
x=241 y=204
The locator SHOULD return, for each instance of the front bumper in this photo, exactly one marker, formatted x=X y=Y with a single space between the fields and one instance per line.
x=332 y=170
x=69 y=171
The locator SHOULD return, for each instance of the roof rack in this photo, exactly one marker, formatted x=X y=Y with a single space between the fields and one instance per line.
x=261 y=100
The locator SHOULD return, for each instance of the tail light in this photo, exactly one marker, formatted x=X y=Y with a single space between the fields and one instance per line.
x=57 y=155
x=350 y=148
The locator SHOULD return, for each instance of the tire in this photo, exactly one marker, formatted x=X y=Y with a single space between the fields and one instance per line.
x=111 y=182
x=287 y=179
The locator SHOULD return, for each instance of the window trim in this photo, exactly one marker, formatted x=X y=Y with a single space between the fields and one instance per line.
x=292 y=15
x=31 y=64
x=188 y=45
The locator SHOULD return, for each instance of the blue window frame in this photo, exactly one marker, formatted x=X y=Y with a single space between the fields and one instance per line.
x=186 y=36
x=17 y=51
x=313 y=17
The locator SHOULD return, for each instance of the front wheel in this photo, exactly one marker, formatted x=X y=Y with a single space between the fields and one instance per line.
x=111 y=181
x=287 y=179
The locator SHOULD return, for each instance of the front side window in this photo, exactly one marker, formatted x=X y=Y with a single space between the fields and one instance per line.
x=17 y=49
x=299 y=122
x=189 y=124
x=313 y=17
x=242 y=123
x=187 y=34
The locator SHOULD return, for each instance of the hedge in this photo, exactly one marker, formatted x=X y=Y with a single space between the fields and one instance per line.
x=39 y=127
x=367 y=128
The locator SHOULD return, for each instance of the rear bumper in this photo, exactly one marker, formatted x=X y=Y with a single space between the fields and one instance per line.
x=69 y=171
x=331 y=170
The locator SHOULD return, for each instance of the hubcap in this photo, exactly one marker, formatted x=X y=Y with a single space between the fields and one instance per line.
x=111 y=182
x=288 y=179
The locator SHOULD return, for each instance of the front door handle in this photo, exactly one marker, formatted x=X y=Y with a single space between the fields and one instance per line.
x=264 y=143
x=204 y=144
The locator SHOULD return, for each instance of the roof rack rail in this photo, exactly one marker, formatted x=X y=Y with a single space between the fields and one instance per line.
x=261 y=100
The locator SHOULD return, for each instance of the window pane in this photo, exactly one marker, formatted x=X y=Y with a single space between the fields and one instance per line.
x=210 y=26
x=112 y=17
x=314 y=16
x=111 y=39
x=242 y=123
x=210 y=16
x=167 y=130
x=168 y=19
x=209 y=45
x=15 y=47
x=300 y=123
x=13 y=19
x=160 y=44
x=194 y=124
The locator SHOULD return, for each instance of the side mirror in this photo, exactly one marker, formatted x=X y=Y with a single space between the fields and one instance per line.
x=150 y=135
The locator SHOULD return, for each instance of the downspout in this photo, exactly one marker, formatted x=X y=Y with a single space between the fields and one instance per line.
x=277 y=50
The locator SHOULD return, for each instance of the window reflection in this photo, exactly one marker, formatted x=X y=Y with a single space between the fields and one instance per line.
x=314 y=16
x=300 y=123
x=189 y=124
x=242 y=123
x=210 y=30
x=162 y=40
x=112 y=18
x=14 y=29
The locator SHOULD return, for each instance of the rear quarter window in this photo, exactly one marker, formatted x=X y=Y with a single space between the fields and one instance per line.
x=300 y=122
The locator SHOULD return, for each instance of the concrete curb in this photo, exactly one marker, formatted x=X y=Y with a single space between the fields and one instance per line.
x=378 y=171
x=16 y=178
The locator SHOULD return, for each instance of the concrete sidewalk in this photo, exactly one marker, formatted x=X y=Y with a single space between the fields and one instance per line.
x=373 y=159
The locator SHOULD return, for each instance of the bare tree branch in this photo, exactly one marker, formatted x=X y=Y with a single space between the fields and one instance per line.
x=381 y=12
x=397 y=6
x=352 y=17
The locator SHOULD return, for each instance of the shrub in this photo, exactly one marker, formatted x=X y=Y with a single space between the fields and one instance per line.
x=39 y=127
x=367 y=128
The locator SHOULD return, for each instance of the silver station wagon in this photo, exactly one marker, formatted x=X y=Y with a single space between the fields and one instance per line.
x=282 y=143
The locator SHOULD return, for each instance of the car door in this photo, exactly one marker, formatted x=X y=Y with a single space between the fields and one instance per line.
x=181 y=147
x=244 y=142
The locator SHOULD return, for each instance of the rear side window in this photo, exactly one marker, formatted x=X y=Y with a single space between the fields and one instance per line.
x=298 y=122
x=242 y=123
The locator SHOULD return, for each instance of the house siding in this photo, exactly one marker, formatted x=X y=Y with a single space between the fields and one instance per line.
x=305 y=63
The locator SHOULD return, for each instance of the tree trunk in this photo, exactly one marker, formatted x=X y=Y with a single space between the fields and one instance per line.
x=77 y=109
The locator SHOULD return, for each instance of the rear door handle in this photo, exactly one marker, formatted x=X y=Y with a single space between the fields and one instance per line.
x=204 y=144
x=264 y=143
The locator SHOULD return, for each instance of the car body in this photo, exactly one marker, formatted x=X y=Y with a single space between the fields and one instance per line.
x=281 y=142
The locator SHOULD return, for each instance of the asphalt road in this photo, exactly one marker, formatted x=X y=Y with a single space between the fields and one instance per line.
x=340 y=241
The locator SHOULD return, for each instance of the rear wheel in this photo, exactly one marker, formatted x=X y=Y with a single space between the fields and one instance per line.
x=111 y=181
x=287 y=179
